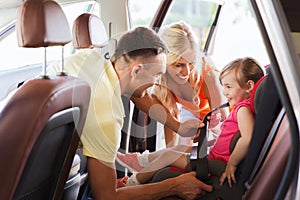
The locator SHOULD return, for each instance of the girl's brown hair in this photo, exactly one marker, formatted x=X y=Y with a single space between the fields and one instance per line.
x=245 y=69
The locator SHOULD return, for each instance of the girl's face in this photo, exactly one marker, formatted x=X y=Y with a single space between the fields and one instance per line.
x=232 y=90
x=180 y=70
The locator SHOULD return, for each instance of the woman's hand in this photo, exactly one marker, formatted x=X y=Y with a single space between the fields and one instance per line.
x=190 y=127
x=214 y=120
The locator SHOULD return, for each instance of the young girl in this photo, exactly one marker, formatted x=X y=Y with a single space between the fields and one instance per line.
x=238 y=79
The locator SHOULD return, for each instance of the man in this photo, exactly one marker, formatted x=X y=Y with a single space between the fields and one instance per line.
x=138 y=62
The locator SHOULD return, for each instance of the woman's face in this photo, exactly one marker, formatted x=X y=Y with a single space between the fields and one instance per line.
x=180 y=70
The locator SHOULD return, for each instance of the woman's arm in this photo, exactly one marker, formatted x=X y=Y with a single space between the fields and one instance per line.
x=170 y=137
x=152 y=106
x=213 y=89
x=214 y=92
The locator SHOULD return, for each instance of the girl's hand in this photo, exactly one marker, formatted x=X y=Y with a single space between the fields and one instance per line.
x=229 y=174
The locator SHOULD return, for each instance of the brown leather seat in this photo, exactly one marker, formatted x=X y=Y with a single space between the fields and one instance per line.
x=89 y=32
x=41 y=124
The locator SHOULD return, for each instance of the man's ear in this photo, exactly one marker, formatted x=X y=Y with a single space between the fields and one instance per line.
x=136 y=69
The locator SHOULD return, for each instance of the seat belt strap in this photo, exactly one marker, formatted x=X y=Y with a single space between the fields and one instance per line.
x=202 y=166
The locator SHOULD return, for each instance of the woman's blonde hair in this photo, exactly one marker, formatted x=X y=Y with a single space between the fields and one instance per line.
x=179 y=39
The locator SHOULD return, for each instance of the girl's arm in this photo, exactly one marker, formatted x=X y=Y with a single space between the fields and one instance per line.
x=245 y=120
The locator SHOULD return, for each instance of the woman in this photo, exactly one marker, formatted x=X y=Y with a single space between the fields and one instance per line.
x=187 y=85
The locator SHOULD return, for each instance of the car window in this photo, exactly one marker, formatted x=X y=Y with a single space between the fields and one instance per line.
x=237 y=32
x=238 y=35
x=141 y=12
x=7 y=15
x=31 y=56
x=198 y=13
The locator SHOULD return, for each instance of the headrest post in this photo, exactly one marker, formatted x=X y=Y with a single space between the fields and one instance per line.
x=62 y=59
x=109 y=30
x=62 y=73
x=112 y=41
x=44 y=74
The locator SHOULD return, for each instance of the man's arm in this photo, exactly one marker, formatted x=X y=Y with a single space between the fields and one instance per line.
x=152 y=106
x=102 y=177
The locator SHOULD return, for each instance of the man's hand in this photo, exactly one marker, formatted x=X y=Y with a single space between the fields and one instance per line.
x=190 y=187
x=190 y=127
x=121 y=182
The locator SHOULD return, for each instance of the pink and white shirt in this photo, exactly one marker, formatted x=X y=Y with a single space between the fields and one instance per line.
x=221 y=149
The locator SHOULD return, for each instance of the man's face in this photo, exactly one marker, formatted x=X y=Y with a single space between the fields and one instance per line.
x=148 y=74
